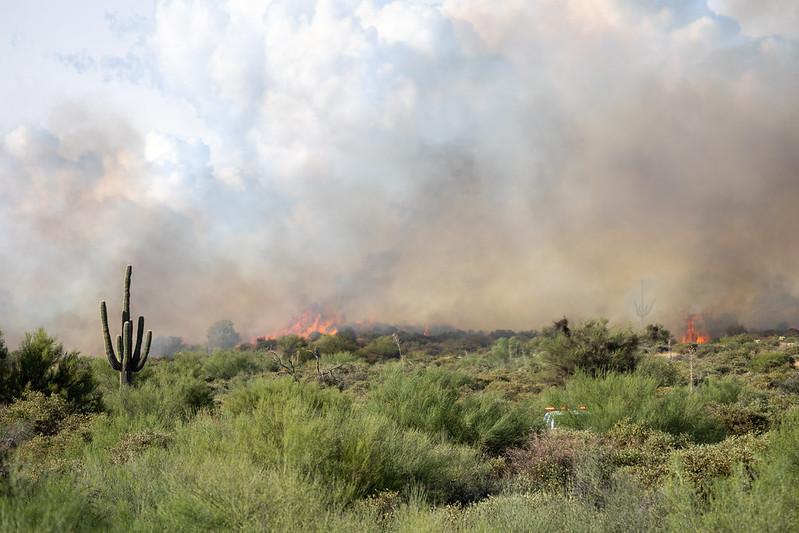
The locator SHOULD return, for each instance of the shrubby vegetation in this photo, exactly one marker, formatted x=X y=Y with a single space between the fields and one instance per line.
x=41 y=364
x=349 y=437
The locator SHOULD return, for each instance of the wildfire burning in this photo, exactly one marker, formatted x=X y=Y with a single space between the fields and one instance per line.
x=694 y=330
x=308 y=322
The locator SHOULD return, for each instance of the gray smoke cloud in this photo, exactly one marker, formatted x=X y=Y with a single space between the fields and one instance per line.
x=484 y=165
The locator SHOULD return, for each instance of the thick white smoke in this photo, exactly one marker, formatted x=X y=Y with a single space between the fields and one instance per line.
x=481 y=164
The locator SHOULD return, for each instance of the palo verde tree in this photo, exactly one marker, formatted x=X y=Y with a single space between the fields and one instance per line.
x=129 y=358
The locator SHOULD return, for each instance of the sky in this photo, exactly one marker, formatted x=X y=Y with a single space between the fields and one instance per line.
x=481 y=164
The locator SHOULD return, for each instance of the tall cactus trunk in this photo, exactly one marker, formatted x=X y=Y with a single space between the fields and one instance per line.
x=129 y=357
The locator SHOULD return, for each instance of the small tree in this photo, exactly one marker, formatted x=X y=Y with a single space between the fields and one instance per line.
x=222 y=335
x=657 y=333
x=291 y=346
x=41 y=364
x=592 y=347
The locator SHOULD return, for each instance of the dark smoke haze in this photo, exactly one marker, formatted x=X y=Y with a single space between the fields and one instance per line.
x=487 y=165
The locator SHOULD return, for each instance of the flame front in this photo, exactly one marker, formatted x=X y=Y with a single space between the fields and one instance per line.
x=694 y=332
x=309 y=322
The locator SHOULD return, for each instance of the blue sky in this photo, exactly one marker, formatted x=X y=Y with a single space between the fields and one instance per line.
x=424 y=161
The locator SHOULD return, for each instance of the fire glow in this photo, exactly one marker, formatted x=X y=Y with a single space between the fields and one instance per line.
x=694 y=330
x=309 y=322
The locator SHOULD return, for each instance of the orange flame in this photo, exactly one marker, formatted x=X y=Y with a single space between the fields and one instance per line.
x=694 y=332
x=308 y=322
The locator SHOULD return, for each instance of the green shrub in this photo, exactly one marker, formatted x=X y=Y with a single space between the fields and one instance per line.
x=319 y=433
x=59 y=452
x=591 y=348
x=41 y=364
x=38 y=413
x=44 y=432
x=738 y=419
x=702 y=464
x=431 y=401
x=725 y=390
x=49 y=505
x=330 y=344
x=764 y=361
x=228 y=364
x=626 y=508
x=292 y=346
x=493 y=424
x=136 y=442
x=640 y=452
x=548 y=460
x=665 y=372
x=609 y=399
x=160 y=402
x=426 y=400
x=614 y=397
x=380 y=348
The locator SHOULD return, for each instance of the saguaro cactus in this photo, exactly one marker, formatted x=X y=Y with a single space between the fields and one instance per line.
x=128 y=358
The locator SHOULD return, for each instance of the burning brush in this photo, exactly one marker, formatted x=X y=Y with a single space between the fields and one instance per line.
x=695 y=331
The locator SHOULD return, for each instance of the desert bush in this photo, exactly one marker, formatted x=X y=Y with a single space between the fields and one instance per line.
x=767 y=360
x=626 y=508
x=136 y=442
x=330 y=344
x=54 y=504
x=789 y=384
x=702 y=464
x=320 y=433
x=640 y=452
x=161 y=401
x=59 y=452
x=548 y=460
x=431 y=401
x=39 y=413
x=657 y=334
x=740 y=419
x=45 y=433
x=591 y=348
x=613 y=397
x=227 y=364
x=292 y=346
x=726 y=390
x=426 y=400
x=380 y=348
x=493 y=424
x=665 y=372
x=41 y=364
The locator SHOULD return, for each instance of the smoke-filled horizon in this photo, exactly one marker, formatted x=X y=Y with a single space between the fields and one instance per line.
x=485 y=165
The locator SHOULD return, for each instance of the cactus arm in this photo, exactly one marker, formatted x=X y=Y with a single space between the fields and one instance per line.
x=126 y=296
x=119 y=347
x=109 y=347
x=143 y=359
x=139 y=336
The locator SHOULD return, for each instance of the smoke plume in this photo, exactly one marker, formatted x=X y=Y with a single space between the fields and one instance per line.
x=481 y=164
